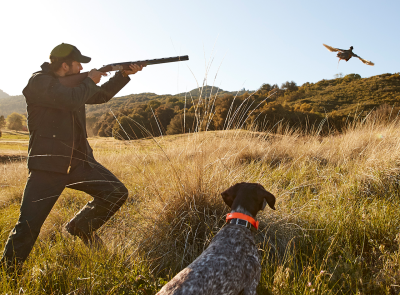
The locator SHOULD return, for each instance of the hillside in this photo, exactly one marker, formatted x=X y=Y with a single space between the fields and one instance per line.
x=207 y=91
x=335 y=101
x=3 y=94
x=342 y=96
x=339 y=100
x=338 y=97
x=12 y=104
x=129 y=101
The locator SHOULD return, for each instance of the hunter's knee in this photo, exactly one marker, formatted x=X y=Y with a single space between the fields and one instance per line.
x=121 y=195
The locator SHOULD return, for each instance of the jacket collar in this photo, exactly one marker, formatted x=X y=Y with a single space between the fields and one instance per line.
x=46 y=68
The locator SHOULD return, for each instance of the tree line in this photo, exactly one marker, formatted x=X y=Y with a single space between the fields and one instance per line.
x=327 y=104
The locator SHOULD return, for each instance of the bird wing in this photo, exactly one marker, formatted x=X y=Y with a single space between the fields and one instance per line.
x=367 y=62
x=332 y=49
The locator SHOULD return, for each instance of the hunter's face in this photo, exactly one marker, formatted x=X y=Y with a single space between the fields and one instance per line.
x=75 y=68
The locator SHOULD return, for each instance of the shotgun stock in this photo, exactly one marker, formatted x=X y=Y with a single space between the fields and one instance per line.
x=75 y=80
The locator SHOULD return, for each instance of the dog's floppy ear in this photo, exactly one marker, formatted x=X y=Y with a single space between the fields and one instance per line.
x=230 y=194
x=268 y=198
x=264 y=204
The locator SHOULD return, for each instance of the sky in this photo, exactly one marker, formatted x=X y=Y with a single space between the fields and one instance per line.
x=231 y=44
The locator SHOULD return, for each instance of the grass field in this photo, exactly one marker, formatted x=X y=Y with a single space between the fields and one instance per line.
x=13 y=146
x=335 y=230
x=14 y=135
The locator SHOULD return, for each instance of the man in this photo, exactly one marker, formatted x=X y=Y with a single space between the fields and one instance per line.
x=59 y=154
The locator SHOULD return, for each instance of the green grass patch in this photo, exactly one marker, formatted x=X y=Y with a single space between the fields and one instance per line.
x=6 y=147
x=14 y=135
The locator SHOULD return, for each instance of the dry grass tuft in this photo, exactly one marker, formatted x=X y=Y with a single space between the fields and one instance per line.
x=12 y=181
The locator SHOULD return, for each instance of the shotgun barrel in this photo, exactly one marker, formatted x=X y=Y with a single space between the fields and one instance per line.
x=75 y=80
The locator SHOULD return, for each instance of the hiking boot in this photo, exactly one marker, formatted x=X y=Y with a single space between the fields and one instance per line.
x=91 y=240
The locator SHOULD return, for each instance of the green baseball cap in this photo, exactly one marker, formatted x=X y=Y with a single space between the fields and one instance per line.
x=68 y=50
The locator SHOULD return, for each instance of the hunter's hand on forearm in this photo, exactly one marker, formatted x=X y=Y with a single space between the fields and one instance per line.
x=95 y=75
x=133 y=70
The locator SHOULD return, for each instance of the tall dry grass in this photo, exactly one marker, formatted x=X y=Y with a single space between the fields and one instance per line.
x=335 y=230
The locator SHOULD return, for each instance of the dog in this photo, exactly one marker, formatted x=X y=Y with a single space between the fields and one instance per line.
x=230 y=265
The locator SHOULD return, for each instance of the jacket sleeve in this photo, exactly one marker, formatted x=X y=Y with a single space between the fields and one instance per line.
x=49 y=92
x=109 y=89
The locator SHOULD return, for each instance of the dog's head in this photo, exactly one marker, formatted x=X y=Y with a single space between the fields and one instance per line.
x=251 y=196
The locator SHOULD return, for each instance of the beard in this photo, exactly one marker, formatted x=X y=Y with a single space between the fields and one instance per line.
x=69 y=73
x=72 y=72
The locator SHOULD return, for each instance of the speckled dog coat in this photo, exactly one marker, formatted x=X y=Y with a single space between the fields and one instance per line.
x=231 y=263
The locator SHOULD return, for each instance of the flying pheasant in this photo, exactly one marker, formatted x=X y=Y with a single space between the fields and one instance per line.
x=347 y=54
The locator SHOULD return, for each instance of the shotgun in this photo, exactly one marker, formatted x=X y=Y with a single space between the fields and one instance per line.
x=75 y=80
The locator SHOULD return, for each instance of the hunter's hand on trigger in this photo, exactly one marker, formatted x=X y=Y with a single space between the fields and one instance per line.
x=95 y=75
x=134 y=68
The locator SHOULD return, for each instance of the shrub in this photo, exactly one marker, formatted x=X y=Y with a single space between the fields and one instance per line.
x=15 y=121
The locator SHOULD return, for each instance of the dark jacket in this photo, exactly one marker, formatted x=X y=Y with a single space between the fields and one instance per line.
x=55 y=112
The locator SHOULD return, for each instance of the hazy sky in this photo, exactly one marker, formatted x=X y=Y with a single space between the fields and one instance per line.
x=245 y=43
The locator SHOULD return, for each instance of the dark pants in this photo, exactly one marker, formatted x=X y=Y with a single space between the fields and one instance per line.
x=41 y=193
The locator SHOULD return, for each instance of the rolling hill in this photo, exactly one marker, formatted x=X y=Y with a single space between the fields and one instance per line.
x=3 y=94
x=12 y=104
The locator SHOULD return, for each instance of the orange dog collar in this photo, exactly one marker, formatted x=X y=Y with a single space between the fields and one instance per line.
x=242 y=216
